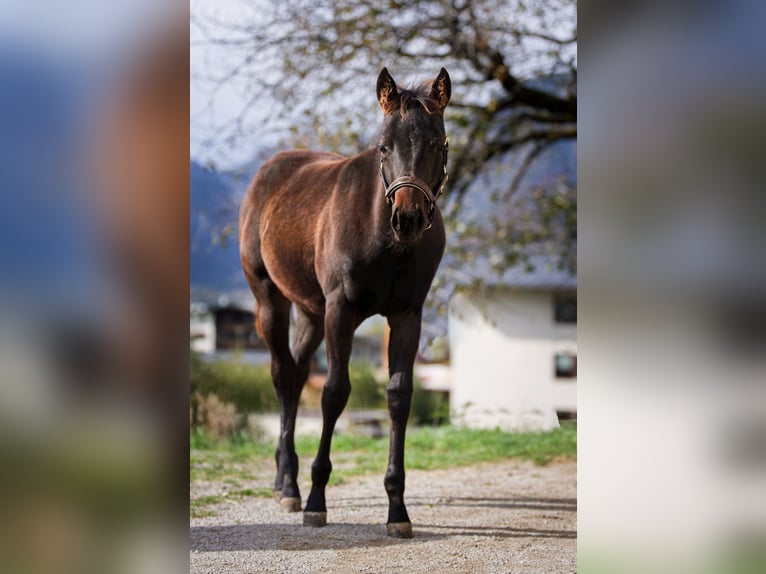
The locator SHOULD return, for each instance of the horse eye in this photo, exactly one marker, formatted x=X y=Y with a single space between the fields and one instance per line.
x=382 y=148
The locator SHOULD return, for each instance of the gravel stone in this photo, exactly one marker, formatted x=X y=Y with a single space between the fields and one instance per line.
x=502 y=517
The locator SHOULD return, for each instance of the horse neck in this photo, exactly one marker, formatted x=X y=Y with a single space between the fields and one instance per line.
x=380 y=210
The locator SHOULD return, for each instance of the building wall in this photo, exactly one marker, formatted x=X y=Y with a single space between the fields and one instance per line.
x=502 y=349
x=202 y=332
x=235 y=329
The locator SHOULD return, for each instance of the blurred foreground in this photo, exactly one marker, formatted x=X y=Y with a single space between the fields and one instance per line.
x=93 y=287
x=94 y=301
x=672 y=336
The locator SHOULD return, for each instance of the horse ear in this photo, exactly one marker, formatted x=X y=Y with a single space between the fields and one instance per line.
x=441 y=89
x=388 y=95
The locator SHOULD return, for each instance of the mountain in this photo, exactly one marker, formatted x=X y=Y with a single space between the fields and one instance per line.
x=215 y=197
x=213 y=206
x=48 y=229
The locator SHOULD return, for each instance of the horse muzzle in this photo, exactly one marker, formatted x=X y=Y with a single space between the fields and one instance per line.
x=409 y=219
x=408 y=224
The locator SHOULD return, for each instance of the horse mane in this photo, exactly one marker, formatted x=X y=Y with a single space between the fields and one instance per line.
x=418 y=95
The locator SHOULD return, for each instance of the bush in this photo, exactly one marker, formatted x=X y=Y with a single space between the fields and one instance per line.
x=429 y=407
x=247 y=387
x=217 y=417
x=366 y=391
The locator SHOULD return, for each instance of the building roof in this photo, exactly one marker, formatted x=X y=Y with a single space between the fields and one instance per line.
x=203 y=300
x=539 y=272
x=543 y=273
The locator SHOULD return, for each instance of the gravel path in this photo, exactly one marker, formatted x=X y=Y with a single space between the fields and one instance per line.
x=495 y=518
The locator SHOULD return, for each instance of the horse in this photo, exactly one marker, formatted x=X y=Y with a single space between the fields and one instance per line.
x=340 y=239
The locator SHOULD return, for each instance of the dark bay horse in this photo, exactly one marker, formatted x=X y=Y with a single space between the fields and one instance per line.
x=342 y=239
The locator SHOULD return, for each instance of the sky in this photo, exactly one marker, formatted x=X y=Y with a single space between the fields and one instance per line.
x=86 y=31
x=228 y=100
x=206 y=111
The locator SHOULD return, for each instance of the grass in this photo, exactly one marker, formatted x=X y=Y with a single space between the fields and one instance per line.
x=244 y=465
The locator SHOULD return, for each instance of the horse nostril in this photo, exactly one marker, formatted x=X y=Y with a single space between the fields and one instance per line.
x=407 y=221
x=395 y=219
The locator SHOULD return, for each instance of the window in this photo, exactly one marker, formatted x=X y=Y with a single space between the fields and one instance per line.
x=565 y=308
x=565 y=365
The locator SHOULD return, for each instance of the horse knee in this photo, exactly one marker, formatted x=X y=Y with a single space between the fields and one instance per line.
x=320 y=471
x=399 y=394
x=335 y=394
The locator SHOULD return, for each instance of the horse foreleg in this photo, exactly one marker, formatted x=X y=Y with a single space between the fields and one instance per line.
x=339 y=332
x=402 y=348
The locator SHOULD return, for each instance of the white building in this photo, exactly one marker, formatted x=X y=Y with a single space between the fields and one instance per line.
x=201 y=328
x=513 y=352
x=222 y=322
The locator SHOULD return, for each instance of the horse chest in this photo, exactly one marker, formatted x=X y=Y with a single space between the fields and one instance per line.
x=384 y=289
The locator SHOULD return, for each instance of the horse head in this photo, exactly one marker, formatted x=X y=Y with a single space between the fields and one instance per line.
x=413 y=148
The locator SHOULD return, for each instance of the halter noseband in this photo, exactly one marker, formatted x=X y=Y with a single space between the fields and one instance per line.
x=419 y=184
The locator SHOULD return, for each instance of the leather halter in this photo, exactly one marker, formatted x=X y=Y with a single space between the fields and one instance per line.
x=419 y=184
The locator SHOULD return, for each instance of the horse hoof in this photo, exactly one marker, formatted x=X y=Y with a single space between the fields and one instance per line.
x=277 y=495
x=315 y=519
x=290 y=504
x=399 y=529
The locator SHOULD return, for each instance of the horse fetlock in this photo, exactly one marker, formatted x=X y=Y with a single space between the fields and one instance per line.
x=290 y=489
x=288 y=462
x=316 y=501
x=394 y=483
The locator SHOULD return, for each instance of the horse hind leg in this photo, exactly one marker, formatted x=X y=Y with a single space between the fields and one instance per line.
x=309 y=332
x=273 y=324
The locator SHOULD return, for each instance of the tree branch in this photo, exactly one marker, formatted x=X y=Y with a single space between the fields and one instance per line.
x=529 y=159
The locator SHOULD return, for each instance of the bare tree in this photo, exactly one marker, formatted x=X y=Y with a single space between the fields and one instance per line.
x=305 y=69
x=311 y=62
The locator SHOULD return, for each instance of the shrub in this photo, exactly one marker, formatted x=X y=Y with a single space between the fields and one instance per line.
x=366 y=391
x=429 y=407
x=247 y=387
x=217 y=417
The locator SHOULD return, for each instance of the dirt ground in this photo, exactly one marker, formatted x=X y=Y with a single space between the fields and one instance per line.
x=496 y=518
